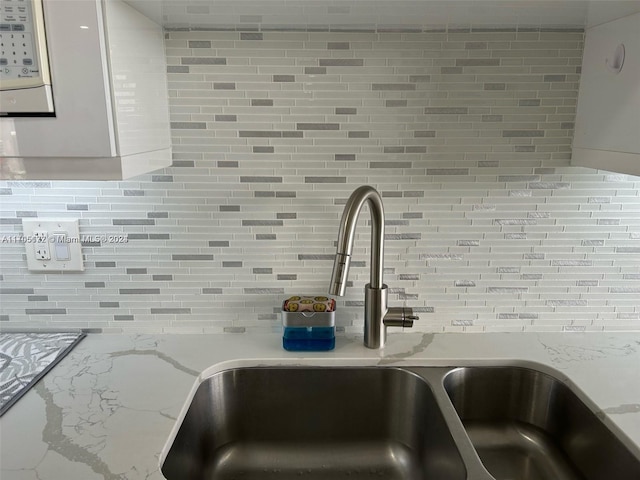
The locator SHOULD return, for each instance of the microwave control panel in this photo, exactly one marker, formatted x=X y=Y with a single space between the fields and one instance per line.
x=24 y=62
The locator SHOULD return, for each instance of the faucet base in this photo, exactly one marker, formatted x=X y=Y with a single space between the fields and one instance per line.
x=375 y=308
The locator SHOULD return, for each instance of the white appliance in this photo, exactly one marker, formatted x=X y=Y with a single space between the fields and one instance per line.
x=25 y=79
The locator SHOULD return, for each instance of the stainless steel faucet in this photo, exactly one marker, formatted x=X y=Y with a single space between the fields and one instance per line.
x=377 y=315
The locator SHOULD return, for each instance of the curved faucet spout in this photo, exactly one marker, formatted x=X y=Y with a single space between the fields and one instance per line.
x=377 y=315
x=346 y=236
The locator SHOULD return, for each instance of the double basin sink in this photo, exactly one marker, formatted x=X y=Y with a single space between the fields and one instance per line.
x=410 y=423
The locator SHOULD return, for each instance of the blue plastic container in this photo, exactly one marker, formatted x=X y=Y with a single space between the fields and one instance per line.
x=308 y=331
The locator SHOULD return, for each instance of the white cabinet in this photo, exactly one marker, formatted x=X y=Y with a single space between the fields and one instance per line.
x=108 y=72
x=607 y=130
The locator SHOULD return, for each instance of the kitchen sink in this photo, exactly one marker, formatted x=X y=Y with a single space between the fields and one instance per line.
x=528 y=425
x=313 y=423
x=410 y=423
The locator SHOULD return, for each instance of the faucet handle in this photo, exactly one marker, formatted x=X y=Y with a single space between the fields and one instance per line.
x=400 y=317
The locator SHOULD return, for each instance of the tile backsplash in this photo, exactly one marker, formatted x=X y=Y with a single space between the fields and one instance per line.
x=466 y=133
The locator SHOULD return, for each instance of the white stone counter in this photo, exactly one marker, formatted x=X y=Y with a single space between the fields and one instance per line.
x=107 y=409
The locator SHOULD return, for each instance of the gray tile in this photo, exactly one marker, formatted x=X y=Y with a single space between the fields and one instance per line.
x=341 y=62
x=45 y=311
x=188 y=125
x=395 y=103
x=338 y=46
x=161 y=178
x=627 y=249
x=572 y=263
x=78 y=207
x=260 y=179
x=203 y=61
x=226 y=118
x=232 y=264
x=263 y=291
x=450 y=70
x=529 y=102
x=358 y=134
x=266 y=236
x=109 y=304
x=162 y=278
x=229 y=208
x=495 y=86
x=224 y=86
x=477 y=62
x=136 y=271
x=94 y=284
x=419 y=78
x=123 y=318
x=446 y=110
x=262 y=223
x=315 y=70
x=261 y=102
x=284 y=78
x=318 y=126
x=250 y=36
x=177 y=69
x=424 y=133
x=234 y=329
x=523 y=133
x=393 y=86
x=515 y=221
x=491 y=118
x=287 y=276
x=402 y=236
x=393 y=149
x=346 y=111
x=199 y=43
x=212 y=291
x=325 y=179
x=262 y=149
x=345 y=157
x=260 y=133
x=327 y=257
x=139 y=291
x=218 y=243
x=468 y=243
x=26 y=214
x=567 y=303
x=262 y=271
x=109 y=264
x=133 y=221
x=549 y=185
x=16 y=291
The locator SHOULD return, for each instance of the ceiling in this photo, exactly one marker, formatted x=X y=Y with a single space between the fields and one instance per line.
x=381 y=14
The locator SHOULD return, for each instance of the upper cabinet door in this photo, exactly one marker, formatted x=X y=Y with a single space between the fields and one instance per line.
x=607 y=131
x=108 y=75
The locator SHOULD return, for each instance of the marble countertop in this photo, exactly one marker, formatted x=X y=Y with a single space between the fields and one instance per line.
x=107 y=409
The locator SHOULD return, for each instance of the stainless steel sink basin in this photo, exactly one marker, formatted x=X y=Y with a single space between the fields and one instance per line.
x=313 y=423
x=412 y=423
x=527 y=425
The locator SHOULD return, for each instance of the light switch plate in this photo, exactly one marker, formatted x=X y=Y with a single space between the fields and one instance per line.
x=52 y=245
